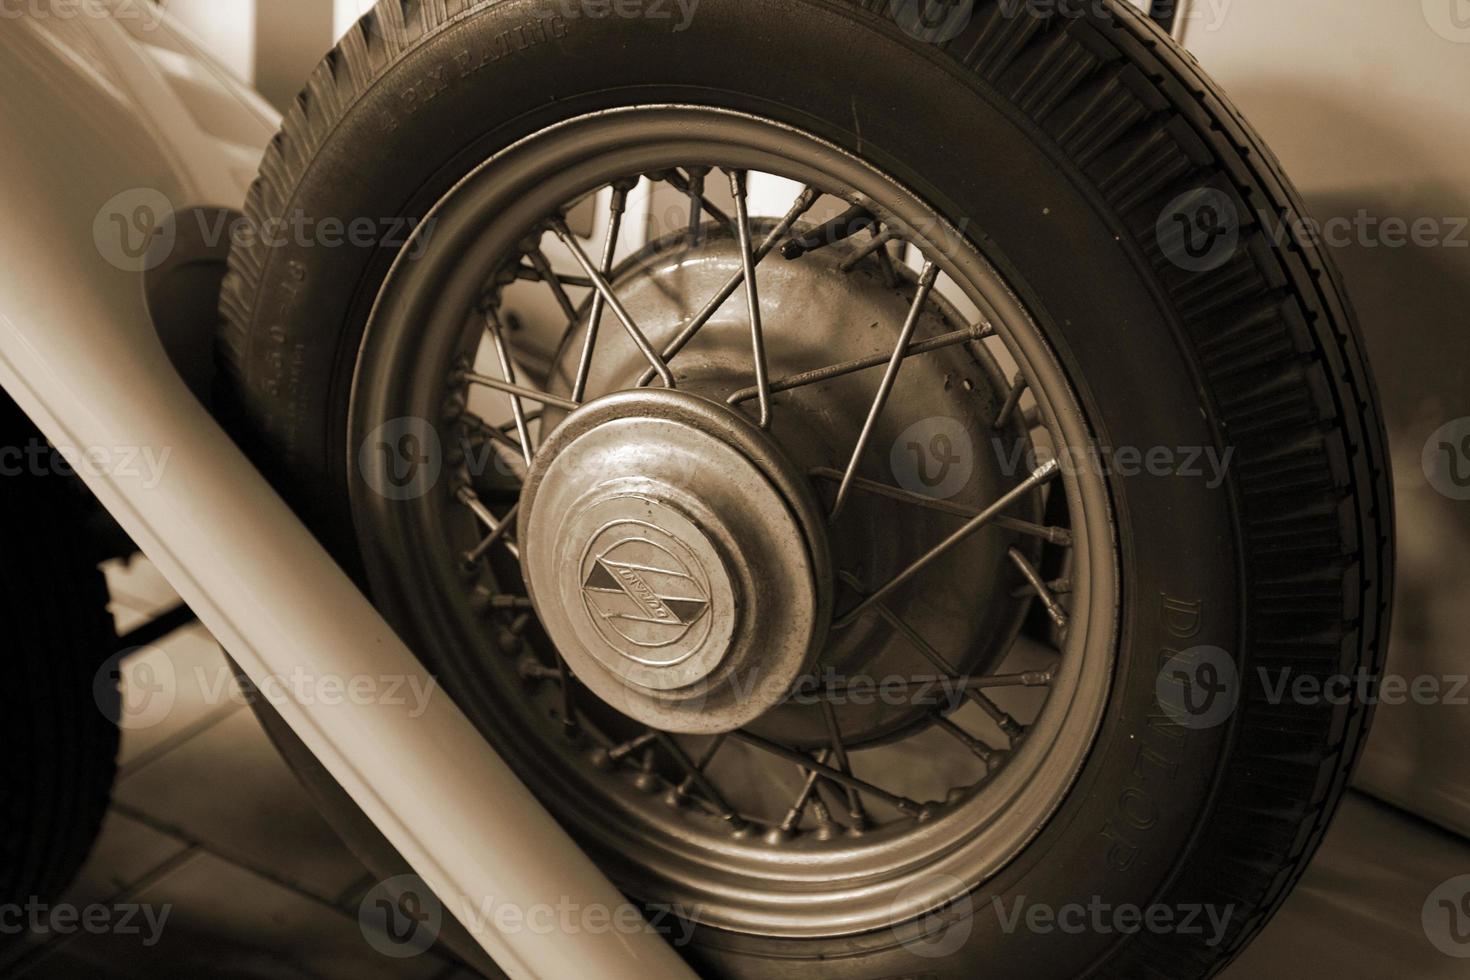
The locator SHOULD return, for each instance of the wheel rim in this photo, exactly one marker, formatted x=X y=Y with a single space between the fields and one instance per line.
x=649 y=803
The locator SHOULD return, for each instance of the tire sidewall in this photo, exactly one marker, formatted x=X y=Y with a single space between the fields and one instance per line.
x=514 y=67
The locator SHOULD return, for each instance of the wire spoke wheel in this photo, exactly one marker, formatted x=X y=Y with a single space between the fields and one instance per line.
x=854 y=464
x=705 y=568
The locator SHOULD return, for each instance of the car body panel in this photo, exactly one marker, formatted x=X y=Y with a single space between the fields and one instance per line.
x=99 y=145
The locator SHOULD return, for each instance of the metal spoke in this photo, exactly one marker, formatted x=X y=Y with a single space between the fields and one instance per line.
x=497 y=437
x=804 y=203
x=1055 y=535
x=681 y=792
x=530 y=273
x=569 y=723
x=964 y=682
x=1012 y=728
x=879 y=240
x=508 y=371
x=831 y=371
x=477 y=507
x=903 y=804
x=752 y=295
x=1053 y=608
x=1013 y=399
x=599 y=282
x=677 y=181
x=927 y=279
x=506 y=523
x=983 y=752
x=542 y=265
x=1043 y=473
x=616 y=209
x=808 y=794
x=855 y=811
x=696 y=201
x=707 y=788
x=517 y=392
x=625 y=749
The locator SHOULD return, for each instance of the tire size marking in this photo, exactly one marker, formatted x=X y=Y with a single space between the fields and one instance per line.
x=465 y=62
x=1157 y=753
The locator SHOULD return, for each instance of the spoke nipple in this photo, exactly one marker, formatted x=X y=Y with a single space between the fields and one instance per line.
x=647 y=782
x=601 y=759
x=777 y=835
x=508 y=642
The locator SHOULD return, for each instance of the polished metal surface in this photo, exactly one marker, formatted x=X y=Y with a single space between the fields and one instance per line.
x=672 y=571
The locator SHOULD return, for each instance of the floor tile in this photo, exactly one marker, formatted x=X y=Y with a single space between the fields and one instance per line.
x=125 y=852
x=171 y=690
x=221 y=921
x=228 y=788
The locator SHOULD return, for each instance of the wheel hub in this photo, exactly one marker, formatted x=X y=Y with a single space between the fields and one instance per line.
x=675 y=559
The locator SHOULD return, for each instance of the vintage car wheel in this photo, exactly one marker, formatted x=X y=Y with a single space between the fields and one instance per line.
x=855 y=614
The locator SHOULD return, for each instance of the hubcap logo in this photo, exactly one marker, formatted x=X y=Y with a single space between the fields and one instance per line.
x=645 y=592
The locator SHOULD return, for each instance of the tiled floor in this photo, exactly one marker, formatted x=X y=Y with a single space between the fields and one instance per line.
x=208 y=822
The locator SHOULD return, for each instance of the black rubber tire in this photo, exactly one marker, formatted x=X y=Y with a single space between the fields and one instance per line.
x=1062 y=132
x=58 y=729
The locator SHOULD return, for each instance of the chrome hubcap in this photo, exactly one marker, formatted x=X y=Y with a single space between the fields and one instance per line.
x=673 y=561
